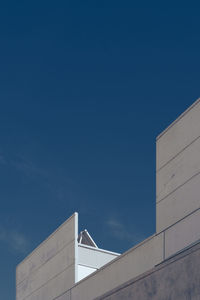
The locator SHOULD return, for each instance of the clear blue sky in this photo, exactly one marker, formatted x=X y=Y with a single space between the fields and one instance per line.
x=85 y=88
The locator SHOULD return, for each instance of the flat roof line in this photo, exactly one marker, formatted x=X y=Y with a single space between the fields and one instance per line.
x=98 y=249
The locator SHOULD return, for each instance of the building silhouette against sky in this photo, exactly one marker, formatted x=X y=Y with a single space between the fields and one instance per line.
x=68 y=265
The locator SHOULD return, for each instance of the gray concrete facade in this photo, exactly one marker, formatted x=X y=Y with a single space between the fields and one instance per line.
x=165 y=266
x=51 y=268
x=178 y=181
x=177 y=278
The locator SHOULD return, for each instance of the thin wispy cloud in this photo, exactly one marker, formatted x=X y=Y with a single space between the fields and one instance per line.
x=62 y=186
x=120 y=232
x=28 y=167
x=23 y=165
x=15 y=241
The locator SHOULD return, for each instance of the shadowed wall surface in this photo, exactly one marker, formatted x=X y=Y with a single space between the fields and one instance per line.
x=174 y=279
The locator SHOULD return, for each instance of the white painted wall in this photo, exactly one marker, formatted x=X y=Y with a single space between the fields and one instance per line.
x=91 y=259
x=84 y=271
x=94 y=257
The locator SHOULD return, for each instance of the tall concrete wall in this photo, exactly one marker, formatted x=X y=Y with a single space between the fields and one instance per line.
x=50 y=269
x=178 y=181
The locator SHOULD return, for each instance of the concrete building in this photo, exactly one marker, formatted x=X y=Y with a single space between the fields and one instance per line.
x=68 y=266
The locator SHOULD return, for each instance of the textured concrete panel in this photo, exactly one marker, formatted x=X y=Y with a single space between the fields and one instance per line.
x=178 y=171
x=65 y=296
x=175 y=279
x=178 y=135
x=57 y=264
x=128 y=265
x=179 y=204
x=94 y=257
x=50 y=268
x=182 y=234
x=46 y=250
x=55 y=287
